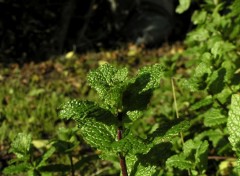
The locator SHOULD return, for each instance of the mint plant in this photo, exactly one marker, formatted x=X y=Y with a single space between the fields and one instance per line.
x=107 y=125
x=27 y=162
x=212 y=76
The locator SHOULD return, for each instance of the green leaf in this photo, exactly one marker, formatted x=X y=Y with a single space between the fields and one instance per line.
x=130 y=144
x=109 y=82
x=202 y=103
x=199 y=17
x=134 y=115
x=216 y=81
x=80 y=111
x=221 y=47
x=183 y=6
x=214 y=117
x=16 y=169
x=194 y=156
x=150 y=76
x=199 y=35
x=201 y=156
x=233 y=124
x=137 y=168
x=46 y=156
x=236 y=7
x=98 y=134
x=138 y=93
x=167 y=131
x=179 y=161
x=96 y=124
x=21 y=145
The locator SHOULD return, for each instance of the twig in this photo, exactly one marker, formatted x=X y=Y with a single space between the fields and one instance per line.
x=220 y=158
x=176 y=107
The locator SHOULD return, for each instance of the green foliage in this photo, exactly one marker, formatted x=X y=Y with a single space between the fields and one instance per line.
x=194 y=157
x=27 y=162
x=108 y=127
x=213 y=52
x=134 y=119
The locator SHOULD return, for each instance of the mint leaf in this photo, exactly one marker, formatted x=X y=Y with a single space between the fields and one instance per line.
x=134 y=115
x=214 y=117
x=98 y=134
x=215 y=136
x=168 y=131
x=130 y=144
x=81 y=110
x=194 y=156
x=183 y=6
x=221 y=47
x=21 y=145
x=150 y=76
x=201 y=155
x=233 y=124
x=136 y=168
x=199 y=17
x=179 y=161
x=216 y=81
x=139 y=91
x=109 y=82
x=202 y=103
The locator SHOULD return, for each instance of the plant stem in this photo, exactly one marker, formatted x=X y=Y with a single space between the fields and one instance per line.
x=123 y=165
x=121 y=157
x=119 y=137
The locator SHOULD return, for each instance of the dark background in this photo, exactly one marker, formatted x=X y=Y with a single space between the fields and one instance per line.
x=37 y=30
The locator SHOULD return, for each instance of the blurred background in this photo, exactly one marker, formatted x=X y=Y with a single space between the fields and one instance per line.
x=37 y=30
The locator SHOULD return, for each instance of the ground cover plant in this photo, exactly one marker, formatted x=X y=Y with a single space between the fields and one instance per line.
x=199 y=87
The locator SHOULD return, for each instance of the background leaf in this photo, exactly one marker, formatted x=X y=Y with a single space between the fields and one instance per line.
x=233 y=123
x=183 y=6
x=21 y=145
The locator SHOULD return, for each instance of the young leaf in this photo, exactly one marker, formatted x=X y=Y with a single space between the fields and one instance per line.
x=109 y=82
x=138 y=93
x=150 y=76
x=233 y=124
